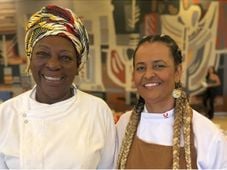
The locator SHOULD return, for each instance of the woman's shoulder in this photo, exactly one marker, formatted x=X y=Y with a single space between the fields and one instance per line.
x=123 y=121
x=89 y=97
x=88 y=101
x=16 y=101
x=204 y=128
x=210 y=143
x=121 y=125
x=200 y=120
x=124 y=118
x=10 y=111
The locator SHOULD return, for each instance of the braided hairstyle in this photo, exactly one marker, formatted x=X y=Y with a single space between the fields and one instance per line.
x=182 y=115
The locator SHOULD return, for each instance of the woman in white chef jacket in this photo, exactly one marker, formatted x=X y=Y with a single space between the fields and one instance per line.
x=55 y=125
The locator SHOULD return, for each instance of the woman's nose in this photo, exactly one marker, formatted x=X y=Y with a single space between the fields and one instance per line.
x=149 y=73
x=53 y=63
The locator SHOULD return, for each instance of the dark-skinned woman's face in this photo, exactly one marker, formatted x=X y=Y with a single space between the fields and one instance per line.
x=53 y=66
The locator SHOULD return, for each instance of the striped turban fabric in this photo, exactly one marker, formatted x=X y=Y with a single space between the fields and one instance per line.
x=54 y=20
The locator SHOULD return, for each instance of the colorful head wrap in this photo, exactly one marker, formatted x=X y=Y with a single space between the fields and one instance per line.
x=54 y=20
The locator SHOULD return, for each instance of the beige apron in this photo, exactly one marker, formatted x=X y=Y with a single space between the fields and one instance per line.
x=153 y=156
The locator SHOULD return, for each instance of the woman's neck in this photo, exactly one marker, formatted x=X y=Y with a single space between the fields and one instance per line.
x=160 y=107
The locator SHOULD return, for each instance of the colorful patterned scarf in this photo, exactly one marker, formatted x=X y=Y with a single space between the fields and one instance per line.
x=54 y=20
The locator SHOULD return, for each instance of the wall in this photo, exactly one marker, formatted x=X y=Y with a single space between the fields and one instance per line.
x=116 y=26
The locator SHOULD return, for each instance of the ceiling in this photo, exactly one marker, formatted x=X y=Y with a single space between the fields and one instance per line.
x=7 y=17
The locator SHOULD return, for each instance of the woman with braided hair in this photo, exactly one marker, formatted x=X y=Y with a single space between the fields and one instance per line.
x=163 y=131
x=51 y=125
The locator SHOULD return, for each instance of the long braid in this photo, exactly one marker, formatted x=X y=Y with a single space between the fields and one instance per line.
x=177 y=133
x=183 y=118
x=187 y=119
x=129 y=134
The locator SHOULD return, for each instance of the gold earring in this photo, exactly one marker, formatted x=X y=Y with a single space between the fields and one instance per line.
x=176 y=93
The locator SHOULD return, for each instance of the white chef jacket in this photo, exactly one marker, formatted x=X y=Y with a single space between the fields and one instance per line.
x=210 y=142
x=76 y=133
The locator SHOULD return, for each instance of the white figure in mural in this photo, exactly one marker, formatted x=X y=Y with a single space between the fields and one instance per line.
x=196 y=36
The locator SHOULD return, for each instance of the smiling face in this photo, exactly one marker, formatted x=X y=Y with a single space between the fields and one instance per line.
x=155 y=75
x=53 y=66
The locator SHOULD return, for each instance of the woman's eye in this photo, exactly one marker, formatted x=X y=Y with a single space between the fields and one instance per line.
x=42 y=54
x=140 y=68
x=159 y=66
x=66 y=58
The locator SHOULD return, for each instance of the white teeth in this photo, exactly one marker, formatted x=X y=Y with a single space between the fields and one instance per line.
x=151 y=84
x=52 y=78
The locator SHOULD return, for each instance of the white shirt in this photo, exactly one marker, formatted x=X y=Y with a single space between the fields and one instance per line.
x=76 y=133
x=210 y=142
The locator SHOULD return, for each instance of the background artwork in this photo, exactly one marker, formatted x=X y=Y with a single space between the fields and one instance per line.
x=193 y=25
x=115 y=27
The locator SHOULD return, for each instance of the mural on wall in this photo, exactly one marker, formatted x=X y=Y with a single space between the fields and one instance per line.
x=132 y=20
x=115 y=27
x=193 y=25
x=10 y=60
